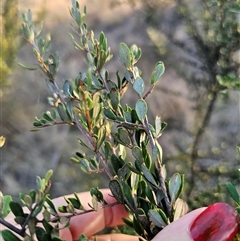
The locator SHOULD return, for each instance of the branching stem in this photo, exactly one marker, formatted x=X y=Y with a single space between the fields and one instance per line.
x=8 y=225
x=159 y=167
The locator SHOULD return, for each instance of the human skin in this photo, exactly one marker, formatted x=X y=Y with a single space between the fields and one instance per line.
x=93 y=222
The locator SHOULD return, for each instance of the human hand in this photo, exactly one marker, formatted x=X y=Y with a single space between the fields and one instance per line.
x=93 y=222
x=218 y=219
x=218 y=222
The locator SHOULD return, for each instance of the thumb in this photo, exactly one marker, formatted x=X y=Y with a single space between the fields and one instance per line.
x=179 y=230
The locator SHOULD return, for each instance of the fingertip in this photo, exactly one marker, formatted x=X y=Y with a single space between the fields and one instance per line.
x=114 y=237
x=65 y=234
x=113 y=215
x=180 y=229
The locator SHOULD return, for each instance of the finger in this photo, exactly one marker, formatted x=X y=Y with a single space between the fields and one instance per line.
x=91 y=223
x=65 y=234
x=179 y=230
x=114 y=237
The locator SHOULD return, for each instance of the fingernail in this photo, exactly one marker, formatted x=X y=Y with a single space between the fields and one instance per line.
x=218 y=222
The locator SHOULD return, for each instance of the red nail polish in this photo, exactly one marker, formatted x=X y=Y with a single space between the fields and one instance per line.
x=218 y=222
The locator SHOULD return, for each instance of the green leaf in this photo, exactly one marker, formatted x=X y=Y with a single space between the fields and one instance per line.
x=69 y=108
x=175 y=186
x=107 y=149
x=62 y=112
x=155 y=153
x=137 y=153
x=83 y=237
x=124 y=172
x=9 y=236
x=233 y=192
x=158 y=126
x=84 y=164
x=97 y=193
x=117 y=163
x=142 y=217
x=116 y=190
x=28 y=201
x=78 y=200
x=137 y=52
x=5 y=205
x=156 y=218
x=159 y=70
x=128 y=76
x=109 y=114
x=47 y=226
x=115 y=99
x=128 y=197
x=101 y=136
x=137 y=227
x=148 y=176
x=47 y=214
x=146 y=156
x=40 y=232
x=20 y=220
x=28 y=68
x=128 y=222
x=103 y=41
x=138 y=85
x=150 y=196
x=32 y=225
x=141 y=109
x=62 y=209
x=75 y=44
x=48 y=175
x=124 y=55
x=16 y=209
x=47 y=116
x=32 y=194
x=67 y=88
x=123 y=135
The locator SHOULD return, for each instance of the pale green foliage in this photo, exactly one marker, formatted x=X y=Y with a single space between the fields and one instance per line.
x=91 y=102
x=8 y=46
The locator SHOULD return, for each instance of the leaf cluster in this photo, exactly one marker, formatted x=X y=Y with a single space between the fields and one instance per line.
x=26 y=214
x=91 y=103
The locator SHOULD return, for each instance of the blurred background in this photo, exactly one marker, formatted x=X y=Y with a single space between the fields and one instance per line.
x=198 y=96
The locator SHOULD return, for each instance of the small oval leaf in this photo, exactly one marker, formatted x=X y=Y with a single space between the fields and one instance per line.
x=109 y=114
x=159 y=70
x=138 y=85
x=233 y=192
x=141 y=109
x=124 y=137
x=9 y=236
x=16 y=209
x=116 y=190
x=124 y=55
x=156 y=218
x=137 y=153
x=175 y=187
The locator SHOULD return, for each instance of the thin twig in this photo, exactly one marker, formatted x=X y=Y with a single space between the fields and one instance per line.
x=103 y=80
x=8 y=225
x=199 y=135
x=149 y=91
x=159 y=166
x=85 y=211
x=104 y=164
